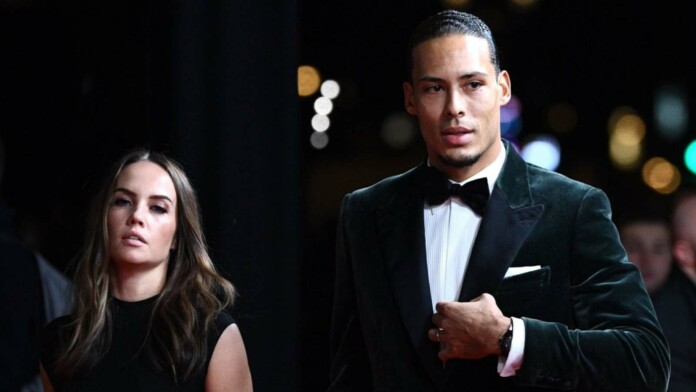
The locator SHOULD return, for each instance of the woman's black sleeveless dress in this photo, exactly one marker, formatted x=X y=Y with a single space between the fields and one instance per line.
x=126 y=367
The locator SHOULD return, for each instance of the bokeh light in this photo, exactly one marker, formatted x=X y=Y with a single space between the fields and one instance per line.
x=626 y=136
x=323 y=106
x=398 y=130
x=690 y=157
x=510 y=118
x=524 y=4
x=660 y=175
x=308 y=80
x=543 y=151
x=320 y=122
x=671 y=112
x=562 y=118
x=319 y=140
x=330 y=89
x=455 y=3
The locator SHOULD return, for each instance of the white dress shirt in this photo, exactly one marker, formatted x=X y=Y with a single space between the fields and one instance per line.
x=450 y=231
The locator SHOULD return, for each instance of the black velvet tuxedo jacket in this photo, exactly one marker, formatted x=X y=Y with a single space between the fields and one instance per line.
x=589 y=322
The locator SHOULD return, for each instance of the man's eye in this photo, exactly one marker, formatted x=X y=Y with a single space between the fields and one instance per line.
x=433 y=89
x=475 y=84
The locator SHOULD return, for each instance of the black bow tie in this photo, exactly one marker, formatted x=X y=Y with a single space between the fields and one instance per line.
x=438 y=188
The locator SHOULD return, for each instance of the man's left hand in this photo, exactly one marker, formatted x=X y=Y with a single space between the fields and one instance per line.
x=468 y=330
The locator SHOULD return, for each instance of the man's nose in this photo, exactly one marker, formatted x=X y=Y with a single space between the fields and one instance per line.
x=456 y=104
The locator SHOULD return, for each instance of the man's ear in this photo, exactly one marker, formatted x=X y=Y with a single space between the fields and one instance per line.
x=409 y=104
x=505 y=86
x=684 y=254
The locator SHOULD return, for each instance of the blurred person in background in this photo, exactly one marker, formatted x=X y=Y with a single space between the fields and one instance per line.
x=32 y=293
x=676 y=302
x=646 y=233
x=648 y=242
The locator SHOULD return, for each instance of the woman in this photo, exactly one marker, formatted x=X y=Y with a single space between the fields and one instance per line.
x=149 y=303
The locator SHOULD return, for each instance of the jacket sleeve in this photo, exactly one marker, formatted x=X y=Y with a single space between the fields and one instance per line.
x=349 y=370
x=617 y=343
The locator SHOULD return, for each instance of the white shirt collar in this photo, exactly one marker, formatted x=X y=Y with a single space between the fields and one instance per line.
x=491 y=172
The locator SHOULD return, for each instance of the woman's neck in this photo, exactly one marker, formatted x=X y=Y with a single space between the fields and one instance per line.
x=136 y=283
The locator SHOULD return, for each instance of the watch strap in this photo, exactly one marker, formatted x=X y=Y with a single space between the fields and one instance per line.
x=505 y=341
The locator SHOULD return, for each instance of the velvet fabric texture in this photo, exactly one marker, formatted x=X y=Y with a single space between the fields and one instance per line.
x=589 y=322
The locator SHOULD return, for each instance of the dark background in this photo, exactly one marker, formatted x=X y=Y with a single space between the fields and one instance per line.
x=213 y=84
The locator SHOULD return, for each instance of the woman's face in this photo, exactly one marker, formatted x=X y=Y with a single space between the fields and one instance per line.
x=141 y=219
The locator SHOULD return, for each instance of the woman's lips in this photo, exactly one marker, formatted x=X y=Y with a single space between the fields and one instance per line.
x=133 y=238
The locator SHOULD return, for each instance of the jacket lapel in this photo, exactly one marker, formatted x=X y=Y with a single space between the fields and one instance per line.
x=506 y=224
x=401 y=234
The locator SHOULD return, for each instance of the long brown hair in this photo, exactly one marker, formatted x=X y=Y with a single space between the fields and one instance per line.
x=193 y=294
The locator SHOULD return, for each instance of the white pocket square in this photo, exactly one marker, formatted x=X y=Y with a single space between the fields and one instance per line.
x=521 y=270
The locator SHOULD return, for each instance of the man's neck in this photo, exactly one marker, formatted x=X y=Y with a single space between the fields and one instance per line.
x=462 y=174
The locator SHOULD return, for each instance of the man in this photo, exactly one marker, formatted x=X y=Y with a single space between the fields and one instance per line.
x=21 y=315
x=527 y=288
x=648 y=242
x=32 y=293
x=647 y=238
x=675 y=302
x=684 y=225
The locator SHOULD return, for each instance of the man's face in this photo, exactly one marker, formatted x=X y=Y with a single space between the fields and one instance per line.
x=456 y=95
x=649 y=247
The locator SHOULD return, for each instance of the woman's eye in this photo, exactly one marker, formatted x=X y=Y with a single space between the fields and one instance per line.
x=159 y=209
x=119 y=201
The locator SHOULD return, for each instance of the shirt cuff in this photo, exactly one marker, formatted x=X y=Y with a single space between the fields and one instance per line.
x=508 y=366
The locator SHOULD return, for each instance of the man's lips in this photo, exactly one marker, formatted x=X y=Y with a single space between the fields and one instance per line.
x=457 y=136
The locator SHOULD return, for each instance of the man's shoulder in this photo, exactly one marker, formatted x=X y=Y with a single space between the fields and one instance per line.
x=541 y=182
x=384 y=190
x=554 y=183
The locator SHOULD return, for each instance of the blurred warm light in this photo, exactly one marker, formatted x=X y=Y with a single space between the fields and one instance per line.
x=629 y=130
x=671 y=112
x=543 y=151
x=523 y=3
x=626 y=136
x=320 y=122
x=690 y=157
x=330 y=89
x=510 y=118
x=455 y=3
x=562 y=117
x=619 y=115
x=624 y=157
x=660 y=175
x=308 y=80
x=319 y=140
x=398 y=130
x=323 y=106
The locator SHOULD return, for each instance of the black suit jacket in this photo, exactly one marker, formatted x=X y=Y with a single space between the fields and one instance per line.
x=589 y=322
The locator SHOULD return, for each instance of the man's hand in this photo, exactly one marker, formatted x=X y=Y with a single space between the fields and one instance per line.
x=468 y=330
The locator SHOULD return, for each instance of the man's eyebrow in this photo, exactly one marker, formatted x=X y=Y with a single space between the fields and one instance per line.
x=430 y=79
x=131 y=193
x=465 y=76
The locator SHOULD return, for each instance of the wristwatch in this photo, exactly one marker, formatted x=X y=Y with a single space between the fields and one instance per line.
x=505 y=341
